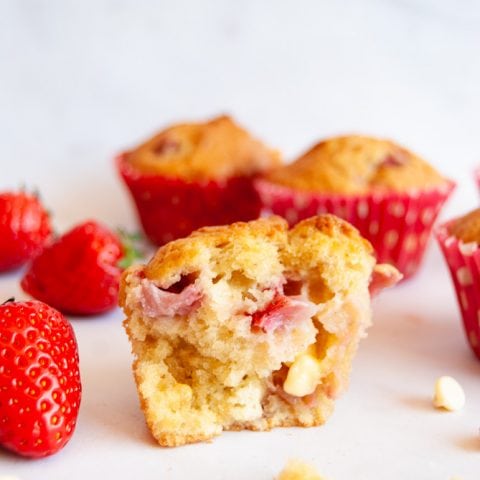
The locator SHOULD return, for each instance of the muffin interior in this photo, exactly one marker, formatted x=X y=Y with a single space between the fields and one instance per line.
x=248 y=326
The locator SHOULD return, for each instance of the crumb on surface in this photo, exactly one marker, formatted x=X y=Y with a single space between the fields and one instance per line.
x=299 y=470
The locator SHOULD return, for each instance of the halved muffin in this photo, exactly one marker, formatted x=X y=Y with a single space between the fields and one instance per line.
x=248 y=326
x=195 y=174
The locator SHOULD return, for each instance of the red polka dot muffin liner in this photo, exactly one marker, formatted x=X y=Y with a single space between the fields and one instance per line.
x=397 y=224
x=172 y=208
x=463 y=260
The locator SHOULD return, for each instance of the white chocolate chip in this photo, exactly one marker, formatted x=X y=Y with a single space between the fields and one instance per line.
x=303 y=376
x=449 y=395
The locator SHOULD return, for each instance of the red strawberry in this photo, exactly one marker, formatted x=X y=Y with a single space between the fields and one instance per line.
x=80 y=272
x=40 y=385
x=24 y=228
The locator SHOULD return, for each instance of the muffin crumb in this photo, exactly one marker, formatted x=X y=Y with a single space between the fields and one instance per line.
x=299 y=470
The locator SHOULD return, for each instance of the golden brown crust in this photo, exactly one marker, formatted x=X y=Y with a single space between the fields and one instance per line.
x=334 y=227
x=214 y=150
x=174 y=256
x=467 y=228
x=357 y=164
x=178 y=253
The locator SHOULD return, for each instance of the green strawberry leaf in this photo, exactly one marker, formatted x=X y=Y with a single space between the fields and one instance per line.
x=133 y=248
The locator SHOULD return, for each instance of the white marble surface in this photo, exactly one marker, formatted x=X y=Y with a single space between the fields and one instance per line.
x=80 y=81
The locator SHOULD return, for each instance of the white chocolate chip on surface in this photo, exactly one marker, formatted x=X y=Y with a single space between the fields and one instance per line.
x=449 y=394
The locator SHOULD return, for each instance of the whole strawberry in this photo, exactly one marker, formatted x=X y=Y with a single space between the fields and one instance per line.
x=40 y=385
x=80 y=273
x=24 y=228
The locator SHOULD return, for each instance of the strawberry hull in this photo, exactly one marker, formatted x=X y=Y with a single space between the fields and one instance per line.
x=173 y=208
x=398 y=225
x=463 y=260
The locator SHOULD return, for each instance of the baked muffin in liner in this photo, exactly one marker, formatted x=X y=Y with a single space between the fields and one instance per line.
x=170 y=208
x=192 y=175
x=462 y=256
x=388 y=193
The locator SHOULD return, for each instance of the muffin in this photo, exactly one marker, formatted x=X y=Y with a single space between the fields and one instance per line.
x=248 y=326
x=459 y=241
x=195 y=174
x=390 y=194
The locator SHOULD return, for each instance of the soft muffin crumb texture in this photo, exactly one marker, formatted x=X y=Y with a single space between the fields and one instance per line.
x=219 y=320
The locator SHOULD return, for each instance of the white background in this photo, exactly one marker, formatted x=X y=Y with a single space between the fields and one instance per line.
x=82 y=80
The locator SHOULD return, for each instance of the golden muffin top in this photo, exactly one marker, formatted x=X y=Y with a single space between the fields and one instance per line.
x=265 y=248
x=214 y=150
x=467 y=228
x=357 y=164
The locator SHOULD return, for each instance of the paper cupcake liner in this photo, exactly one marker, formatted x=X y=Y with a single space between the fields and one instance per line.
x=463 y=260
x=173 y=208
x=398 y=225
